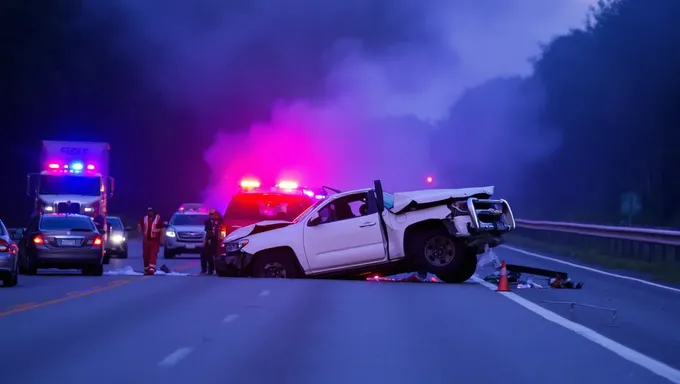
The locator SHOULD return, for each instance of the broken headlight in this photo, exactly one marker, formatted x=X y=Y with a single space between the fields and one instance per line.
x=234 y=246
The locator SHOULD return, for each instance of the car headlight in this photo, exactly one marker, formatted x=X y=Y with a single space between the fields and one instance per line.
x=117 y=239
x=170 y=233
x=234 y=246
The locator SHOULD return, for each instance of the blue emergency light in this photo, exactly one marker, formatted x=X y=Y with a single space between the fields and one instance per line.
x=77 y=166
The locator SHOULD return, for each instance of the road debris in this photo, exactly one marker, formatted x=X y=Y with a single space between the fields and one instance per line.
x=129 y=271
x=573 y=305
x=555 y=279
x=415 y=277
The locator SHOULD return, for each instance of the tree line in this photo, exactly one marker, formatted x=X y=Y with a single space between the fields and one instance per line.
x=609 y=91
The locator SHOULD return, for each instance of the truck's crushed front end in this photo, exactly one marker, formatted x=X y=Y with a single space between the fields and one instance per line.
x=483 y=221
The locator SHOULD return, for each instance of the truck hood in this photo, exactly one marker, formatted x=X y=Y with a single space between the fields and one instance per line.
x=188 y=228
x=402 y=200
x=51 y=199
x=262 y=226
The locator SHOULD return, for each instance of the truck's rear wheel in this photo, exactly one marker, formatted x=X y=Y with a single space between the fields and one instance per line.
x=437 y=252
x=275 y=264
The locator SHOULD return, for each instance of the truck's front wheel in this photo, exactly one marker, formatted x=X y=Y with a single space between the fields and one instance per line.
x=437 y=252
x=276 y=264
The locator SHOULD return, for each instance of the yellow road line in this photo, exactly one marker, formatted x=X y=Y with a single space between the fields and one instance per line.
x=73 y=295
x=23 y=307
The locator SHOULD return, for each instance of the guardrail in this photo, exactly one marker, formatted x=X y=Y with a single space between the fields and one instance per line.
x=641 y=244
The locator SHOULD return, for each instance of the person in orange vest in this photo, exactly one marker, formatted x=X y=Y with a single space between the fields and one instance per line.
x=150 y=227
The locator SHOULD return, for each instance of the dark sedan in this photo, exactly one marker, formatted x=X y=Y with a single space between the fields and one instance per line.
x=62 y=241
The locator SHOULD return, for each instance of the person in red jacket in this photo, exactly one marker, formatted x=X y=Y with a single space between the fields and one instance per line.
x=150 y=227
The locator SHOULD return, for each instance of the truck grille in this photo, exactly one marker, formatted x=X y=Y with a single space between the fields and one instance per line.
x=68 y=208
x=190 y=236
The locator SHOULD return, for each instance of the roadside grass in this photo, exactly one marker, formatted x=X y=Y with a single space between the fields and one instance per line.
x=660 y=272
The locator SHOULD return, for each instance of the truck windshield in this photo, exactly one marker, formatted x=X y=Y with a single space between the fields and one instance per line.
x=70 y=185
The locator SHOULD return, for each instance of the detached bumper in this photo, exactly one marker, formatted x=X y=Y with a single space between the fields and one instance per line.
x=233 y=263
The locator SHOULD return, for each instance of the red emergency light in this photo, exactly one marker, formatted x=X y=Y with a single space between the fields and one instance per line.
x=53 y=166
x=287 y=184
x=250 y=184
x=429 y=179
x=90 y=167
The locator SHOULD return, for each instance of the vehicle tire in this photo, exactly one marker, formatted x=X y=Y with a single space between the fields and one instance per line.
x=11 y=280
x=437 y=252
x=123 y=255
x=275 y=264
x=94 y=270
x=107 y=258
x=30 y=267
x=168 y=254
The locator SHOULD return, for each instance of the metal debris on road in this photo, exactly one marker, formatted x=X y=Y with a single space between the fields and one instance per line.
x=415 y=277
x=573 y=305
x=555 y=279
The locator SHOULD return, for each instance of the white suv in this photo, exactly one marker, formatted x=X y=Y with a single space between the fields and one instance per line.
x=439 y=231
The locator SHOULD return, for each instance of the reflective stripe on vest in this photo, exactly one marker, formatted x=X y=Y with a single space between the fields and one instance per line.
x=153 y=226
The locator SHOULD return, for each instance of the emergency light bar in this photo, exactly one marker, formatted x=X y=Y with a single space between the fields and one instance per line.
x=250 y=184
x=73 y=167
x=287 y=185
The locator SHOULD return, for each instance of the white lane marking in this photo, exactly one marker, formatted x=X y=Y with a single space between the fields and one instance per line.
x=629 y=354
x=230 y=318
x=175 y=357
x=592 y=269
x=265 y=293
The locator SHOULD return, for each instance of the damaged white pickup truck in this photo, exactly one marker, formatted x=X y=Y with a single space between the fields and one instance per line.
x=366 y=231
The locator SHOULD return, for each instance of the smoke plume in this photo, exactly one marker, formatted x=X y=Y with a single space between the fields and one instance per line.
x=341 y=93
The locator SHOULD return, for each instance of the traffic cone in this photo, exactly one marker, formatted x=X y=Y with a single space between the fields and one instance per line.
x=503 y=285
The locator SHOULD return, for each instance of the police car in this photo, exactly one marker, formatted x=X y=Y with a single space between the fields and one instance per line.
x=254 y=203
x=185 y=232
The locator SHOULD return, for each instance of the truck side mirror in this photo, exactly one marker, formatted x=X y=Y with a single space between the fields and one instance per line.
x=314 y=220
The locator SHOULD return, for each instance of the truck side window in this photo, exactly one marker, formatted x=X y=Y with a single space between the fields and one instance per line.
x=344 y=208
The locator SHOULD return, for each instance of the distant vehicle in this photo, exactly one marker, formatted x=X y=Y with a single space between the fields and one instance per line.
x=284 y=201
x=9 y=261
x=365 y=231
x=63 y=241
x=74 y=179
x=184 y=233
x=116 y=243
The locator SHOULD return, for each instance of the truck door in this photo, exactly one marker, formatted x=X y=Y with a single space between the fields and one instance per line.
x=347 y=234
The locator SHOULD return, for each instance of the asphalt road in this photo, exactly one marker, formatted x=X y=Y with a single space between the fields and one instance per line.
x=647 y=317
x=174 y=329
